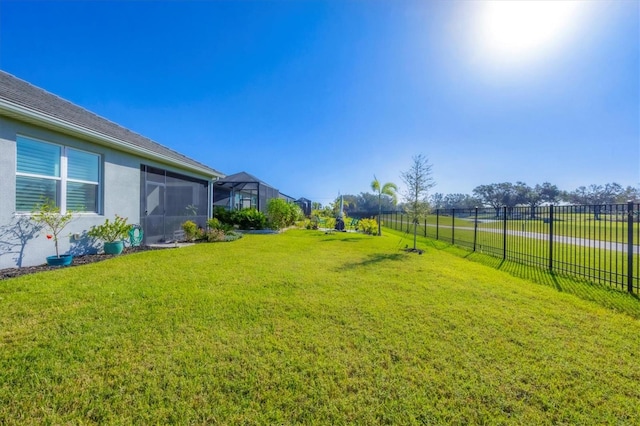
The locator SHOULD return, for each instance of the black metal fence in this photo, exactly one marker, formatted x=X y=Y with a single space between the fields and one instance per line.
x=596 y=242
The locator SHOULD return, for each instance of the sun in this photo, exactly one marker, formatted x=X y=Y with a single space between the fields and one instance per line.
x=518 y=31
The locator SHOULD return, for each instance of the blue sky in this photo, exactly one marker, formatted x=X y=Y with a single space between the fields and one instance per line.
x=315 y=97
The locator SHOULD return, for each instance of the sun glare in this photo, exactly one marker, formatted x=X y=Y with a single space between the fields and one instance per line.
x=521 y=30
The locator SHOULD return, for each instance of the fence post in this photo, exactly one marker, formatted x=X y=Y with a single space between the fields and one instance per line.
x=475 y=230
x=401 y=220
x=453 y=226
x=551 y=238
x=630 y=247
x=437 y=224
x=504 y=232
x=425 y=228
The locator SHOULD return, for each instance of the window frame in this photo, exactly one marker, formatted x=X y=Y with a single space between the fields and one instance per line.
x=63 y=180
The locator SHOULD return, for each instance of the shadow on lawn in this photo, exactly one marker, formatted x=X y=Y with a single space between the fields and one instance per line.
x=615 y=299
x=374 y=259
x=345 y=239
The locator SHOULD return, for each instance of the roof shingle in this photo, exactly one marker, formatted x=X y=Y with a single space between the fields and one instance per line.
x=26 y=95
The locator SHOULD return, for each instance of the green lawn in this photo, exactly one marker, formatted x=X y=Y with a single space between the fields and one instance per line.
x=305 y=327
x=572 y=225
x=605 y=263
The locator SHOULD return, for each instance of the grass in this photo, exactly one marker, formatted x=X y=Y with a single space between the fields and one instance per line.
x=578 y=225
x=305 y=327
x=604 y=265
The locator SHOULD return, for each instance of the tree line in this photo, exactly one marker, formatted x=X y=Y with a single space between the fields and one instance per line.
x=507 y=194
x=496 y=195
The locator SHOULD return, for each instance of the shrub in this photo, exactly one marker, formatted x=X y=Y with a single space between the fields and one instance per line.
x=215 y=223
x=368 y=226
x=223 y=215
x=215 y=235
x=232 y=236
x=295 y=214
x=191 y=231
x=249 y=219
x=282 y=214
x=111 y=231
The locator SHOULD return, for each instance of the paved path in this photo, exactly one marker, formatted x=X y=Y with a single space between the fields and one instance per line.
x=562 y=239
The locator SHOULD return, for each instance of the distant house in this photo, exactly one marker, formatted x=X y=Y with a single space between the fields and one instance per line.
x=52 y=149
x=287 y=198
x=243 y=191
x=305 y=205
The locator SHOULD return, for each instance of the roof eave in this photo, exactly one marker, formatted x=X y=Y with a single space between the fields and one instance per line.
x=28 y=115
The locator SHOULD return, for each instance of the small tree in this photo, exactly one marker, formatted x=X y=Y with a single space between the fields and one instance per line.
x=418 y=181
x=389 y=189
x=48 y=215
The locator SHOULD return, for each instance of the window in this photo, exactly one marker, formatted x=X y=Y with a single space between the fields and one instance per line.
x=65 y=175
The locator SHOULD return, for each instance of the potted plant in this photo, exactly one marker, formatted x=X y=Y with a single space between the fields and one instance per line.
x=48 y=216
x=112 y=233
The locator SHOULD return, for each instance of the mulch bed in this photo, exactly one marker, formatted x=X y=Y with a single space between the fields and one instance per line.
x=77 y=261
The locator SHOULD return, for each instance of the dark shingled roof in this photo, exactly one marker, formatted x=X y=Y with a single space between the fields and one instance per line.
x=236 y=179
x=26 y=95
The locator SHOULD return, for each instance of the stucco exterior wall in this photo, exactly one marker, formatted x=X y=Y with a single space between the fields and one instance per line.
x=23 y=245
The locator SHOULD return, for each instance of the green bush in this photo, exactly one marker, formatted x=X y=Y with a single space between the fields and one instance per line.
x=232 y=236
x=223 y=215
x=282 y=214
x=368 y=226
x=249 y=219
x=295 y=214
x=244 y=219
x=191 y=231
x=215 y=223
x=111 y=232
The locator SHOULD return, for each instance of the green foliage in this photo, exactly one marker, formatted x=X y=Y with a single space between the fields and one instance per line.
x=282 y=214
x=223 y=215
x=295 y=214
x=111 y=231
x=232 y=236
x=215 y=223
x=330 y=222
x=244 y=219
x=191 y=230
x=368 y=226
x=48 y=216
x=249 y=219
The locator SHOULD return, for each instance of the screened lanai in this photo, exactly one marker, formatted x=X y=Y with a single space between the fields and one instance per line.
x=243 y=191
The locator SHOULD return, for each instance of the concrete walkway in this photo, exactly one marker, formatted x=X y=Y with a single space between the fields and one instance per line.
x=562 y=239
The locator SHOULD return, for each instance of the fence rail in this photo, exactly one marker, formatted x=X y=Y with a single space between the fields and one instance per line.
x=596 y=242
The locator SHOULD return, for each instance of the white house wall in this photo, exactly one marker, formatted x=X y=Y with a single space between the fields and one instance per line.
x=20 y=243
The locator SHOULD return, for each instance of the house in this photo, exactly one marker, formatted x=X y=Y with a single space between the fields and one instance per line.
x=243 y=191
x=51 y=149
x=287 y=198
x=305 y=204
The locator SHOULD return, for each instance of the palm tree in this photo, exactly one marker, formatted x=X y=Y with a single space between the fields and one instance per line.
x=389 y=189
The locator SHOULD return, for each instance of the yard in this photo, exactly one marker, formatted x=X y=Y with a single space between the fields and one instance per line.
x=307 y=327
